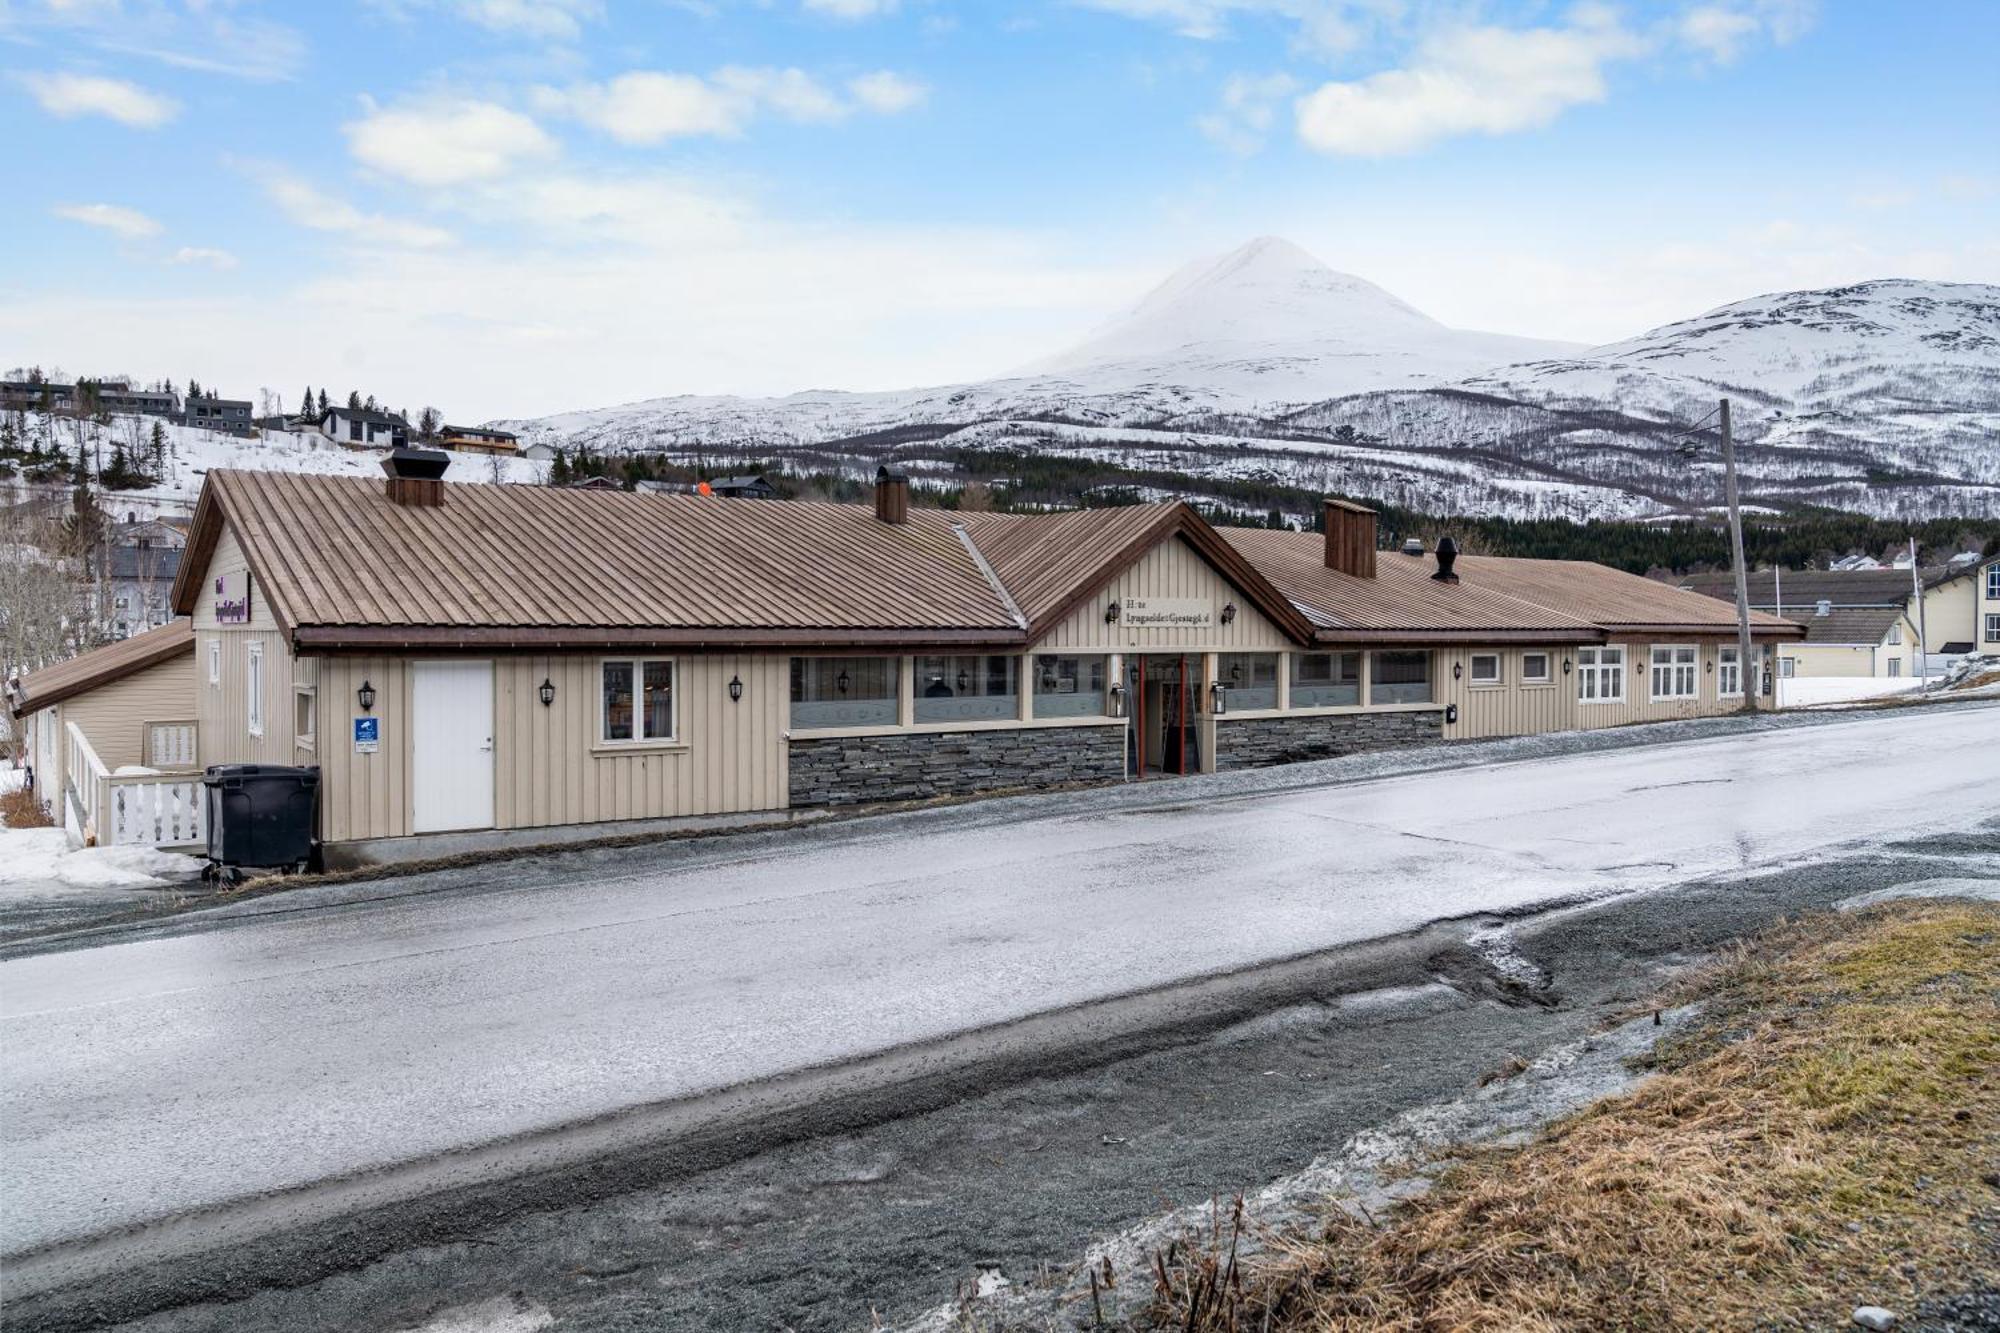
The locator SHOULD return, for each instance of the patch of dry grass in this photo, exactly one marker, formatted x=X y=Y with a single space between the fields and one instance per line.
x=1824 y=1138
x=18 y=809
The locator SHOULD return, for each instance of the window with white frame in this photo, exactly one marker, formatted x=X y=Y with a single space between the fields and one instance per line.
x=1676 y=671
x=1895 y=633
x=1895 y=666
x=1600 y=674
x=1993 y=582
x=1728 y=672
x=1993 y=629
x=1486 y=668
x=305 y=716
x=253 y=685
x=1788 y=667
x=215 y=661
x=635 y=700
x=1535 y=669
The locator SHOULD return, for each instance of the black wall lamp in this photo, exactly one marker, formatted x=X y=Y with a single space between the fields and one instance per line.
x=365 y=696
x=840 y=682
x=1457 y=670
x=736 y=689
x=546 y=692
x=961 y=682
x=1111 y=614
x=1565 y=666
x=1229 y=614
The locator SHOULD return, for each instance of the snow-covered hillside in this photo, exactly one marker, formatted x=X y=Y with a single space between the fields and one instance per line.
x=190 y=453
x=1266 y=366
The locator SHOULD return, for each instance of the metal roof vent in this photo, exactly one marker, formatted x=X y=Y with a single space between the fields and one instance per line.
x=416 y=476
x=1413 y=546
x=1447 y=557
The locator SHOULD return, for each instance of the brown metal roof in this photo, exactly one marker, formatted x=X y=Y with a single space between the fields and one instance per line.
x=1495 y=597
x=100 y=666
x=494 y=567
x=333 y=552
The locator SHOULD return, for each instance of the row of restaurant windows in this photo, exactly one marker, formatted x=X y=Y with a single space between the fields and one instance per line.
x=864 y=691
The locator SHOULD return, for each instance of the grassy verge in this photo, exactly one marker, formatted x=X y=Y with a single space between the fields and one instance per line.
x=1827 y=1136
x=18 y=809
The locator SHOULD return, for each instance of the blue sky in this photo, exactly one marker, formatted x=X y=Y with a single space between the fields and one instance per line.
x=521 y=206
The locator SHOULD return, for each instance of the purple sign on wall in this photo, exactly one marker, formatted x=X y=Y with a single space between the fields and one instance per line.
x=232 y=598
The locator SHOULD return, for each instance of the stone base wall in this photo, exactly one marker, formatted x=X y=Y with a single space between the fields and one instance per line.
x=1260 y=741
x=915 y=766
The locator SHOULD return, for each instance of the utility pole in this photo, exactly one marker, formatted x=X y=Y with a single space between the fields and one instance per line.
x=1746 y=666
x=1923 y=630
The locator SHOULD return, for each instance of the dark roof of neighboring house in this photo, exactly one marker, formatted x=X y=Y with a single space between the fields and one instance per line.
x=740 y=483
x=1851 y=625
x=533 y=567
x=490 y=432
x=148 y=562
x=100 y=666
x=1805 y=587
x=366 y=415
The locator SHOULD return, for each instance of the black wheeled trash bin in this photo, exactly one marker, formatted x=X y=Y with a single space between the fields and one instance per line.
x=259 y=815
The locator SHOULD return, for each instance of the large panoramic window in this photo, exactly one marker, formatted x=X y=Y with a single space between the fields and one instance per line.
x=844 y=691
x=1675 y=668
x=1400 y=678
x=637 y=700
x=966 y=689
x=1069 y=687
x=1326 y=680
x=1251 y=678
x=1600 y=674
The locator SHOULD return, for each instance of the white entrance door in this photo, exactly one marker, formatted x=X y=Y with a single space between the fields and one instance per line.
x=451 y=745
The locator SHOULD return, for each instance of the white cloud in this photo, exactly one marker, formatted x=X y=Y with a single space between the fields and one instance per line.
x=309 y=206
x=207 y=35
x=1718 y=31
x=651 y=106
x=850 y=9
x=558 y=20
x=205 y=255
x=71 y=95
x=1470 y=80
x=887 y=92
x=1247 y=111
x=445 y=141
x=127 y=222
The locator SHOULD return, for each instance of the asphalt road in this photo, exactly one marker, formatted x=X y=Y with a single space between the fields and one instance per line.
x=147 y=1079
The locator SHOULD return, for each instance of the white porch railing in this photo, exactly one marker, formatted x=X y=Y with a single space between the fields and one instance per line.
x=153 y=810
x=129 y=809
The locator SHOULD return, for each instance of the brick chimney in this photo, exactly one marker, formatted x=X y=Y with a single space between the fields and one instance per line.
x=892 y=495
x=1350 y=538
x=416 y=476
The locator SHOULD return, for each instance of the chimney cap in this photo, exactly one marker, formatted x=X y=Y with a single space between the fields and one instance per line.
x=421 y=464
x=1447 y=554
x=1348 y=505
x=887 y=473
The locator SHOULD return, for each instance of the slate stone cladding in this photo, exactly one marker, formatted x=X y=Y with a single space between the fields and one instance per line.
x=1257 y=742
x=915 y=766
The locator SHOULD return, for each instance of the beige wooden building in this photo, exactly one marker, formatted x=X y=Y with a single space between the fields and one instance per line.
x=517 y=664
x=109 y=737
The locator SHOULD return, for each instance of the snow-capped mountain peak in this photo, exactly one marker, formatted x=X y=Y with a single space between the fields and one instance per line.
x=1270 y=322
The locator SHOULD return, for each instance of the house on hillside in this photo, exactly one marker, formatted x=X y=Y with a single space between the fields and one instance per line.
x=1864 y=622
x=477 y=665
x=209 y=412
x=364 y=428
x=478 y=440
x=753 y=487
x=36 y=396
x=109 y=738
x=121 y=397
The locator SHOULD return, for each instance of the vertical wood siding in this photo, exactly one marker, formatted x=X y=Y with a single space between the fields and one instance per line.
x=548 y=767
x=223 y=710
x=114 y=716
x=1515 y=709
x=1171 y=569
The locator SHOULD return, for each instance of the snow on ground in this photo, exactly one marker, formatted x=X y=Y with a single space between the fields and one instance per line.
x=39 y=862
x=1805 y=691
